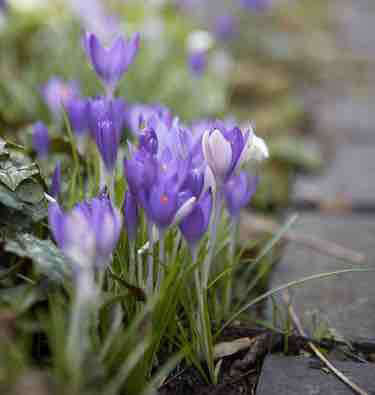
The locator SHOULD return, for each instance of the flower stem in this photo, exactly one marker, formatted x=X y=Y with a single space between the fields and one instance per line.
x=84 y=298
x=213 y=236
x=150 y=260
x=204 y=324
x=161 y=258
x=232 y=252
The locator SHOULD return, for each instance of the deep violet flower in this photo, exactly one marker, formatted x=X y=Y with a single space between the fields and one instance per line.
x=198 y=44
x=157 y=172
x=130 y=212
x=55 y=189
x=238 y=191
x=225 y=27
x=78 y=112
x=111 y=63
x=106 y=118
x=88 y=233
x=137 y=116
x=197 y=61
x=40 y=139
x=256 y=5
x=57 y=93
x=195 y=225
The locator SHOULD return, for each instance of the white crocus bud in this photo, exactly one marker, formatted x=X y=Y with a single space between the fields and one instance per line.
x=255 y=150
x=200 y=40
x=218 y=153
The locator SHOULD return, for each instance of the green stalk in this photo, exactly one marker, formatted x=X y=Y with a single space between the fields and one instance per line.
x=213 y=236
x=204 y=323
x=161 y=258
x=232 y=257
x=150 y=260
x=290 y=284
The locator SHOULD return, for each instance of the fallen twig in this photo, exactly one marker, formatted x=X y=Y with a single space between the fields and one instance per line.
x=317 y=352
x=261 y=224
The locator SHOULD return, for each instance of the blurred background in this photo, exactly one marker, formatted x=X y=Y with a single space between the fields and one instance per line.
x=251 y=60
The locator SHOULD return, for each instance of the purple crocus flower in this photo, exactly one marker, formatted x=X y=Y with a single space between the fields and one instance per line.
x=195 y=225
x=226 y=149
x=130 y=211
x=78 y=112
x=56 y=181
x=197 y=61
x=157 y=171
x=111 y=63
x=137 y=115
x=57 y=93
x=105 y=122
x=222 y=149
x=88 y=233
x=225 y=27
x=238 y=191
x=40 y=139
x=3 y=5
x=256 y=5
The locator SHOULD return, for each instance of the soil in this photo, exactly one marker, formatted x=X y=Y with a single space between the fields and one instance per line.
x=240 y=372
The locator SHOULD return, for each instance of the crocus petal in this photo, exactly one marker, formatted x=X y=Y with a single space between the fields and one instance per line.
x=218 y=153
x=56 y=222
x=194 y=225
x=78 y=113
x=130 y=211
x=56 y=181
x=40 y=139
x=184 y=210
x=238 y=192
x=209 y=180
x=111 y=63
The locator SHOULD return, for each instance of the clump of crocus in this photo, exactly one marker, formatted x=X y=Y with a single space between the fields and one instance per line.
x=138 y=114
x=40 y=139
x=57 y=93
x=111 y=63
x=88 y=233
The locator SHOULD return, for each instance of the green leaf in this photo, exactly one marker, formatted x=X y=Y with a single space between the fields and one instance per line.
x=47 y=257
x=22 y=200
x=16 y=167
x=298 y=152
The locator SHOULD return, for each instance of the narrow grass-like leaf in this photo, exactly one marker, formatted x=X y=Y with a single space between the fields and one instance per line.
x=288 y=285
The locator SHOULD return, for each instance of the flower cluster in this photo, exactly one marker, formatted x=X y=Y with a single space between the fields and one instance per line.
x=178 y=175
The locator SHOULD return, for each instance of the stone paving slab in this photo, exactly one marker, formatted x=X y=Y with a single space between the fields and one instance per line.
x=348 y=179
x=346 y=117
x=300 y=375
x=346 y=302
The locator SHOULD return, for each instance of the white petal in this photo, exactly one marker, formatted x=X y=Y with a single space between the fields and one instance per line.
x=255 y=150
x=259 y=149
x=209 y=180
x=184 y=210
x=217 y=152
x=200 y=40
